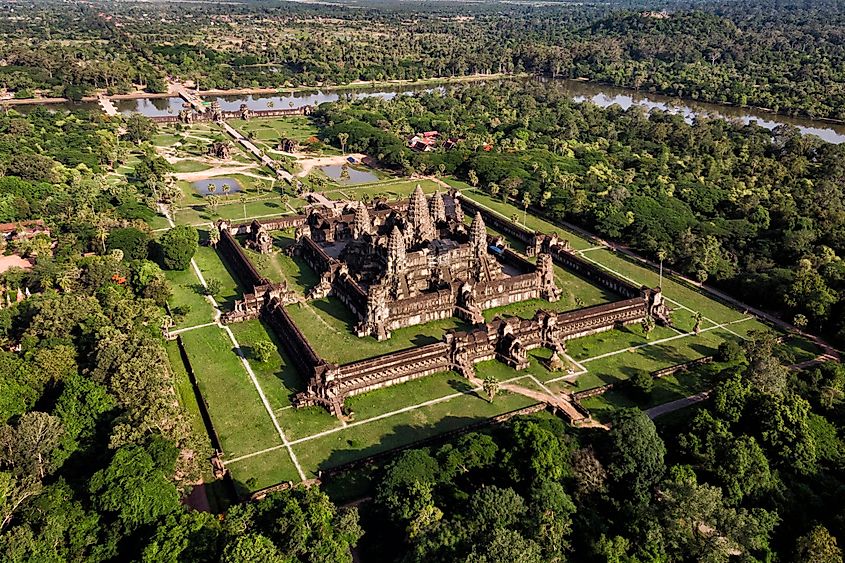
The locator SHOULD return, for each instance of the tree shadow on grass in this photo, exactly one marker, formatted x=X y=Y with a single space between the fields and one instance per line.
x=704 y=349
x=353 y=453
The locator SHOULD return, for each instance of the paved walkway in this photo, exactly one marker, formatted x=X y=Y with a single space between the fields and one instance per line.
x=190 y=97
x=257 y=153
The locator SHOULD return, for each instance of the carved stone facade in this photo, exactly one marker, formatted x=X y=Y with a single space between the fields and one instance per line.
x=259 y=239
x=220 y=149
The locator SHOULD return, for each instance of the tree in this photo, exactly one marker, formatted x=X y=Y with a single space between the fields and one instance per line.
x=647 y=325
x=699 y=527
x=242 y=198
x=253 y=548
x=817 y=546
x=263 y=350
x=140 y=128
x=642 y=383
x=213 y=286
x=177 y=246
x=697 y=317
x=636 y=454
x=526 y=201
x=506 y=545
x=29 y=448
x=491 y=386
x=590 y=476
x=343 y=138
x=134 y=487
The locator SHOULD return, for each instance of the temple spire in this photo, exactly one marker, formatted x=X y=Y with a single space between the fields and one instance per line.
x=421 y=227
x=437 y=208
x=395 y=251
x=478 y=234
x=361 y=224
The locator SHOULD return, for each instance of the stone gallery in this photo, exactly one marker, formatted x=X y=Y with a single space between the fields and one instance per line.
x=406 y=263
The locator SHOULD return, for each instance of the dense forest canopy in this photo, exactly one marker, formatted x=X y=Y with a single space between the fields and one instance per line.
x=754 y=475
x=789 y=59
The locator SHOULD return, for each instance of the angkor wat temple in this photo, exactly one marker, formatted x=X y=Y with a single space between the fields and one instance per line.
x=403 y=266
x=415 y=261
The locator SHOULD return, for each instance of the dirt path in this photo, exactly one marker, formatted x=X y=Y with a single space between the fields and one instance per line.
x=243 y=170
x=307 y=164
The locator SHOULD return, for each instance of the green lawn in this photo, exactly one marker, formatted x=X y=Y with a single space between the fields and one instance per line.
x=212 y=267
x=186 y=292
x=329 y=326
x=373 y=436
x=272 y=130
x=532 y=222
x=188 y=400
x=236 y=411
x=279 y=266
x=667 y=389
x=190 y=166
x=278 y=378
x=392 y=189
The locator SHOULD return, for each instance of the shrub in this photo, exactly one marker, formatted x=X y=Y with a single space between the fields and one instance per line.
x=642 y=383
x=212 y=287
x=729 y=351
x=263 y=350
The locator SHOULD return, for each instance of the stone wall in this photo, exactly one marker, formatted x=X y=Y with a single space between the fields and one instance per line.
x=298 y=350
x=206 y=116
x=246 y=273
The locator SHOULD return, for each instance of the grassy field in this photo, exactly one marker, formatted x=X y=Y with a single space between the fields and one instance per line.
x=667 y=389
x=238 y=416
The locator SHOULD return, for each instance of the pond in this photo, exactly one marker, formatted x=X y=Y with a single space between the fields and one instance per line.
x=151 y=107
x=356 y=175
x=201 y=186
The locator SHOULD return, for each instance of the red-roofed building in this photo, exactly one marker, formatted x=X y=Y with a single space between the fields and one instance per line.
x=23 y=230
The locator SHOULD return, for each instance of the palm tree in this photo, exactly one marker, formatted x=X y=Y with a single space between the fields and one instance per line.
x=212 y=187
x=226 y=188
x=490 y=385
x=697 y=328
x=342 y=138
x=242 y=198
x=526 y=201
x=661 y=255
x=102 y=235
x=214 y=237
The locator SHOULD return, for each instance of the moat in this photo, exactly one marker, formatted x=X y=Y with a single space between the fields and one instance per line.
x=599 y=94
